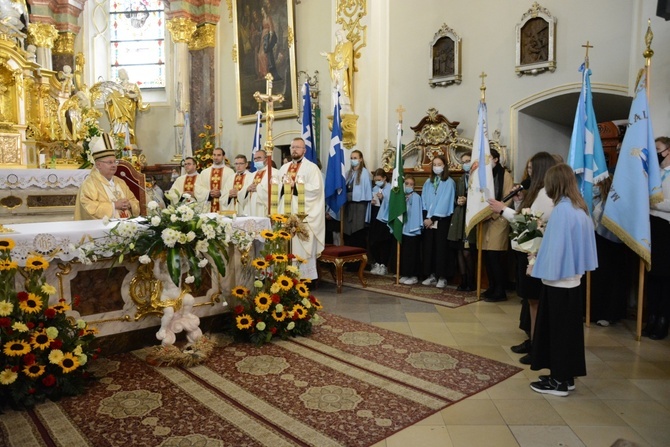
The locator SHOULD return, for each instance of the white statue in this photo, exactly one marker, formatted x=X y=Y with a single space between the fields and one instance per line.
x=66 y=80
x=31 y=53
x=10 y=19
x=341 y=62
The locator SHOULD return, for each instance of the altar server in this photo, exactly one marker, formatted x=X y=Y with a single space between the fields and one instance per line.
x=242 y=180
x=256 y=194
x=102 y=194
x=568 y=250
x=186 y=183
x=315 y=205
x=214 y=183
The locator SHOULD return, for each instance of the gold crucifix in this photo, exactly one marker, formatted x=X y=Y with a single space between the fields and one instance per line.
x=483 y=87
x=268 y=98
x=400 y=109
x=586 y=58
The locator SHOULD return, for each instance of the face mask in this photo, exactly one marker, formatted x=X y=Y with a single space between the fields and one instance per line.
x=660 y=157
x=438 y=170
x=354 y=162
x=379 y=183
x=596 y=191
x=467 y=166
x=409 y=189
x=259 y=164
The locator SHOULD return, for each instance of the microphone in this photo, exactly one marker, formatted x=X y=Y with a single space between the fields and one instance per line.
x=513 y=193
x=132 y=180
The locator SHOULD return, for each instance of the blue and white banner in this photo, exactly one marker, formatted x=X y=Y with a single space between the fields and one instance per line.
x=256 y=146
x=481 y=173
x=307 y=126
x=336 y=180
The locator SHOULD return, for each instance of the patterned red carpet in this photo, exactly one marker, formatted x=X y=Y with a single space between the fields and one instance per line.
x=449 y=296
x=349 y=384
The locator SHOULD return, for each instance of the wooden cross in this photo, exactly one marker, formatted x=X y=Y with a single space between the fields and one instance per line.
x=269 y=99
x=586 y=58
x=400 y=109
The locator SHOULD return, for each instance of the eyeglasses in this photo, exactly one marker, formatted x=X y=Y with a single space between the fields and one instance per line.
x=114 y=162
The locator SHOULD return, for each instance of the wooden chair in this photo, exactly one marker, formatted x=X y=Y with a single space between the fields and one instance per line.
x=133 y=178
x=338 y=255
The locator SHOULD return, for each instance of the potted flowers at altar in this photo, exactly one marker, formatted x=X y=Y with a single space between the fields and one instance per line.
x=44 y=353
x=280 y=303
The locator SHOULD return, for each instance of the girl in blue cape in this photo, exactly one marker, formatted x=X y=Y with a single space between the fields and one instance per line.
x=568 y=250
x=410 y=249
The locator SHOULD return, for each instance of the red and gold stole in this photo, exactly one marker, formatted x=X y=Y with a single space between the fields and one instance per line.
x=239 y=182
x=258 y=178
x=293 y=170
x=189 y=184
x=215 y=183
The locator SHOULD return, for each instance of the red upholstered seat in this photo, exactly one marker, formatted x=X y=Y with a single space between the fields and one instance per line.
x=342 y=250
x=338 y=255
x=133 y=178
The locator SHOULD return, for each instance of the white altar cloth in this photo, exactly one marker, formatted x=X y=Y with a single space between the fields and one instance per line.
x=57 y=240
x=42 y=178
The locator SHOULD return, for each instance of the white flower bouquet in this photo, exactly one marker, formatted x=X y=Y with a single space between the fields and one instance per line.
x=527 y=231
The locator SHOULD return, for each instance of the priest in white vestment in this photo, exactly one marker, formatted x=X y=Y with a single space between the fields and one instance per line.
x=256 y=194
x=185 y=184
x=243 y=178
x=315 y=205
x=213 y=184
x=102 y=194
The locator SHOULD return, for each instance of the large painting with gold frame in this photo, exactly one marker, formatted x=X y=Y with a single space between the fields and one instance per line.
x=264 y=43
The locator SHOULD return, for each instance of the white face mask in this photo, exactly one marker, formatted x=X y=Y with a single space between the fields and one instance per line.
x=409 y=189
x=438 y=170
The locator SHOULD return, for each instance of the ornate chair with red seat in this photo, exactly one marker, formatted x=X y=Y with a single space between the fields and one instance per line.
x=133 y=178
x=338 y=255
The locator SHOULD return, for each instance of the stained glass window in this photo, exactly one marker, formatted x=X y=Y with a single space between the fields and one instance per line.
x=137 y=41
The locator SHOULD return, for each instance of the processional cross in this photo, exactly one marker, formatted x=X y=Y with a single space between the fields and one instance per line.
x=400 y=110
x=586 y=58
x=483 y=87
x=269 y=99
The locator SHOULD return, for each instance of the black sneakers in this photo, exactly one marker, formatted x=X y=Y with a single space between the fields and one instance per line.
x=550 y=386
x=522 y=348
x=570 y=382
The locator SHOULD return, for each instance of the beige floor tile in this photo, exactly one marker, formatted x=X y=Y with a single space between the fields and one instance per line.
x=598 y=437
x=659 y=390
x=528 y=412
x=545 y=436
x=513 y=389
x=656 y=436
x=472 y=412
x=579 y=413
x=434 y=420
x=483 y=435
x=614 y=389
x=424 y=436
x=423 y=317
x=613 y=353
x=402 y=328
x=641 y=412
x=459 y=315
x=467 y=327
x=639 y=370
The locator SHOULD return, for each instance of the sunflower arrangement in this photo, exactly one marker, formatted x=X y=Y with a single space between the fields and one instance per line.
x=280 y=304
x=43 y=352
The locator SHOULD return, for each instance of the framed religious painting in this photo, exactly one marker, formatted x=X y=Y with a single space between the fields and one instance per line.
x=536 y=42
x=445 y=58
x=264 y=44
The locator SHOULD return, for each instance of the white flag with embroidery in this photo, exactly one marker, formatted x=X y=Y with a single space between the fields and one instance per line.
x=481 y=174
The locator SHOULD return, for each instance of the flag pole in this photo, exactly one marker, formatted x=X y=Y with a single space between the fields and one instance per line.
x=480 y=238
x=588 y=274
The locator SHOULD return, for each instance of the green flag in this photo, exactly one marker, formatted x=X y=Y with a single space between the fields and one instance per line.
x=397 y=204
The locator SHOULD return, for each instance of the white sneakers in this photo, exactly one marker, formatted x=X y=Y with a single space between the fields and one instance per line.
x=430 y=281
x=442 y=283
x=409 y=280
x=379 y=269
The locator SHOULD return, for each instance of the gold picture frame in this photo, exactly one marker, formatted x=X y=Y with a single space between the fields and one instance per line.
x=445 y=58
x=264 y=43
x=536 y=42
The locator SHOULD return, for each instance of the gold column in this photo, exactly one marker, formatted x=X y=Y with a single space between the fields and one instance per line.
x=64 y=44
x=181 y=29
x=43 y=36
x=203 y=37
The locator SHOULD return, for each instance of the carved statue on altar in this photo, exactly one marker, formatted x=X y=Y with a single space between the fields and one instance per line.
x=13 y=18
x=341 y=62
x=66 y=76
x=122 y=101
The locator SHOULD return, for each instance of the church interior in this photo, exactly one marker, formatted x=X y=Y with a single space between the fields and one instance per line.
x=197 y=79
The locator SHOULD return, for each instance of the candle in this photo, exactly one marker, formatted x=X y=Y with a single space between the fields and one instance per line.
x=300 y=186
x=43 y=161
x=274 y=201
x=288 y=195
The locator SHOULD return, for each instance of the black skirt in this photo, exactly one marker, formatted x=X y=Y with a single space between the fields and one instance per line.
x=526 y=286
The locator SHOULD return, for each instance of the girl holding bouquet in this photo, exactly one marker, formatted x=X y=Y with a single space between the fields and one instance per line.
x=568 y=251
x=539 y=204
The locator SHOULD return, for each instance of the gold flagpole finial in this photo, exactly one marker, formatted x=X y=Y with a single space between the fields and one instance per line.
x=586 y=58
x=483 y=87
x=400 y=110
x=648 y=37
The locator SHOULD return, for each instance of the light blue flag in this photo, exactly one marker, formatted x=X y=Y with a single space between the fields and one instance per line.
x=336 y=180
x=637 y=180
x=586 y=156
x=257 y=140
x=307 y=126
x=481 y=177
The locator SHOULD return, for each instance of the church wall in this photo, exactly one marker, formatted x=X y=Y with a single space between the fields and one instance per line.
x=540 y=135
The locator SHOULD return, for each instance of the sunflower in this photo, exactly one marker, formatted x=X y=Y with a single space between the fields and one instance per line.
x=302 y=290
x=284 y=234
x=40 y=340
x=244 y=321
x=7 y=377
x=260 y=263
x=300 y=311
x=36 y=263
x=6 y=244
x=7 y=265
x=284 y=282
x=240 y=292
x=6 y=308
x=263 y=301
x=61 y=307
x=32 y=305
x=316 y=303
x=267 y=235
x=299 y=259
x=69 y=362
x=278 y=218
x=16 y=348
x=33 y=371
x=280 y=258
x=278 y=316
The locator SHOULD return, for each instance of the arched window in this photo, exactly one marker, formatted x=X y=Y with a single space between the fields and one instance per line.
x=137 y=41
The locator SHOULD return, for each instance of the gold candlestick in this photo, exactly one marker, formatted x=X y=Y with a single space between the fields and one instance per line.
x=274 y=201
x=288 y=195
x=300 y=186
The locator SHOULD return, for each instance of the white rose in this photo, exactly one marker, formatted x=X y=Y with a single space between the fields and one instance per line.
x=173 y=218
x=279 y=308
x=290 y=326
x=144 y=259
x=152 y=205
x=260 y=326
x=189 y=279
x=202 y=263
x=81 y=324
x=155 y=221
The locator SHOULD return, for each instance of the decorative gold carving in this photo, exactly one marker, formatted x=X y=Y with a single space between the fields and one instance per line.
x=229 y=3
x=536 y=42
x=349 y=129
x=181 y=29
x=290 y=37
x=234 y=53
x=349 y=15
x=64 y=270
x=10 y=149
x=145 y=291
x=203 y=37
x=125 y=318
x=42 y=34
x=6 y=230
x=64 y=44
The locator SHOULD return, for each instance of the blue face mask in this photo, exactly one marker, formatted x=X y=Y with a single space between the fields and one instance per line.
x=379 y=183
x=259 y=164
x=354 y=162
x=467 y=166
x=409 y=189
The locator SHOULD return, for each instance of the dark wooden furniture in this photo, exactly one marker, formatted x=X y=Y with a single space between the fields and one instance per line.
x=136 y=182
x=338 y=255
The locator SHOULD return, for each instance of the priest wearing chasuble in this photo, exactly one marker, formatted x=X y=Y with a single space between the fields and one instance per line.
x=213 y=184
x=185 y=184
x=243 y=178
x=255 y=195
x=315 y=205
x=102 y=194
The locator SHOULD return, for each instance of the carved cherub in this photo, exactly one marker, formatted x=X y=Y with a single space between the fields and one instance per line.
x=66 y=80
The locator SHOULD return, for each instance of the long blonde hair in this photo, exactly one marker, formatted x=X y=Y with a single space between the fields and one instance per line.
x=559 y=182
